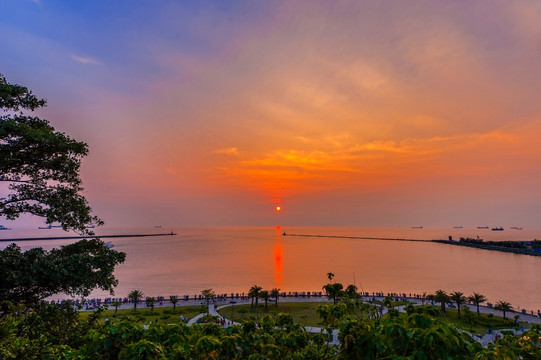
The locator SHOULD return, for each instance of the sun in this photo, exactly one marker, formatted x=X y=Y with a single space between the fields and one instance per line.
x=278 y=208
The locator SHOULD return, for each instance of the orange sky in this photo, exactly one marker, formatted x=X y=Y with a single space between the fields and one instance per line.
x=344 y=113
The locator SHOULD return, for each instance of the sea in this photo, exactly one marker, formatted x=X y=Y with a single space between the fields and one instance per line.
x=232 y=259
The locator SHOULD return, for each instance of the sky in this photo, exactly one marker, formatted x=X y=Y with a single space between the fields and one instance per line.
x=346 y=113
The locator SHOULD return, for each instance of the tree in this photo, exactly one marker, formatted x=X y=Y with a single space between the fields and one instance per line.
x=174 y=301
x=208 y=294
x=459 y=299
x=441 y=297
x=423 y=298
x=74 y=269
x=134 y=296
x=116 y=304
x=333 y=291
x=254 y=294
x=265 y=295
x=503 y=306
x=330 y=276
x=477 y=299
x=151 y=301
x=39 y=165
x=351 y=292
x=275 y=293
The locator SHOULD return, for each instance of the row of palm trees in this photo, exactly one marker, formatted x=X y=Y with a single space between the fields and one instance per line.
x=256 y=292
x=459 y=299
x=136 y=295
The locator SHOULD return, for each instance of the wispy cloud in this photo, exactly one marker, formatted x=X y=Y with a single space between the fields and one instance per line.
x=86 y=60
x=227 y=151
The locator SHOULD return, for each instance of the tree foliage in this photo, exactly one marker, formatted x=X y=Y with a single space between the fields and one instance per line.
x=74 y=269
x=134 y=296
x=39 y=164
x=504 y=307
x=477 y=299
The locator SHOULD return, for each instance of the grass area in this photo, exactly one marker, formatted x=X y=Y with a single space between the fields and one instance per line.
x=479 y=325
x=146 y=316
x=304 y=313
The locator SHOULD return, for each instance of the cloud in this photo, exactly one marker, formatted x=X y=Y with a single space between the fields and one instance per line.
x=86 y=60
x=227 y=151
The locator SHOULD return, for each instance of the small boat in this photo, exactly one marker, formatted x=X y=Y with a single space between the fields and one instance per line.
x=157 y=227
x=48 y=227
x=497 y=229
x=416 y=227
x=2 y=227
x=457 y=227
x=516 y=228
x=483 y=227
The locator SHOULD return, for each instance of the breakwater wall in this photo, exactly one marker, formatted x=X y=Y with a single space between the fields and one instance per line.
x=480 y=245
x=355 y=237
x=489 y=247
x=84 y=237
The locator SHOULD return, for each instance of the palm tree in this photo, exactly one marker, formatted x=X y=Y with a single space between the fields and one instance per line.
x=174 y=300
x=333 y=291
x=151 y=300
x=388 y=302
x=254 y=294
x=441 y=297
x=330 y=276
x=134 y=296
x=275 y=293
x=503 y=306
x=116 y=304
x=459 y=299
x=477 y=299
x=351 y=292
x=264 y=294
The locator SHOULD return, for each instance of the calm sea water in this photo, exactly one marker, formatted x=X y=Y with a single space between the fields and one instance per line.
x=232 y=259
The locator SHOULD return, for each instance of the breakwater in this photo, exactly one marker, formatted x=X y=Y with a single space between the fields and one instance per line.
x=477 y=244
x=41 y=238
x=492 y=246
x=355 y=237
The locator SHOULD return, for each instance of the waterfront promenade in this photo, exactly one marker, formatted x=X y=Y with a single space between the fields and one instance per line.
x=222 y=301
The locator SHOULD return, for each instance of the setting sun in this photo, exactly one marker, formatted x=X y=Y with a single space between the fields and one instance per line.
x=278 y=208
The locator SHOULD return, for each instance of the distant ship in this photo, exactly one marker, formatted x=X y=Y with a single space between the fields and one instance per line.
x=516 y=228
x=416 y=227
x=457 y=227
x=2 y=227
x=497 y=229
x=483 y=227
x=48 y=227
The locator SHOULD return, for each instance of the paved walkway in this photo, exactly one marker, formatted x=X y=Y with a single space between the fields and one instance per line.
x=214 y=307
x=323 y=299
x=488 y=338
